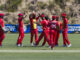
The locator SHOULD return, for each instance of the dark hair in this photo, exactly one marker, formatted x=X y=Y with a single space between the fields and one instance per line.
x=33 y=16
x=46 y=17
x=30 y=16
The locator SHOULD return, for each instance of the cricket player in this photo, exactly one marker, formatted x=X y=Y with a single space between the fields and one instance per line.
x=2 y=29
x=45 y=33
x=64 y=31
x=48 y=31
x=21 y=30
x=34 y=30
x=58 y=30
x=53 y=31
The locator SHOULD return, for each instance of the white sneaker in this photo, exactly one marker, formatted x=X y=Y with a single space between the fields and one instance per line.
x=69 y=45
x=32 y=44
x=52 y=48
x=18 y=45
x=49 y=46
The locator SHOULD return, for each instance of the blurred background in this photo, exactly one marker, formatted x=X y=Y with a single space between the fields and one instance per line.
x=12 y=7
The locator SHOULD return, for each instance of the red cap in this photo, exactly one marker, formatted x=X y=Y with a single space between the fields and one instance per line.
x=53 y=17
x=64 y=14
x=1 y=14
x=20 y=14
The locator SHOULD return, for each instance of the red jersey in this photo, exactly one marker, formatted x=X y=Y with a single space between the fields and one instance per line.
x=48 y=25
x=65 y=23
x=44 y=24
x=53 y=25
x=20 y=21
x=1 y=24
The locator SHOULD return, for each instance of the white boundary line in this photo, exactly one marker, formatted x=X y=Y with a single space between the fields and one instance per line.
x=39 y=51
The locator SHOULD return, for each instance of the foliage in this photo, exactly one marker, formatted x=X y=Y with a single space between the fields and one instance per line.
x=11 y=5
x=42 y=5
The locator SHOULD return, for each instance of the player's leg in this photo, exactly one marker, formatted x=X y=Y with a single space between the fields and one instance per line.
x=40 y=37
x=18 y=41
x=36 y=35
x=46 y=32
x=64 y=40
x=2 y=38
x=51 y=39
x=45 y=39
x=57 y=38
x=54 y=38
x=22 y=36
x=32 y=34
x=44 y=42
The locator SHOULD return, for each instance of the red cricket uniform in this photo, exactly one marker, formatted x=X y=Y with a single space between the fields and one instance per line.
x=2 y=34
x=48 y=32
x=34 y=30
x=65 y=27
x=45 y=34
x=58 y=33
x=21 y=30
x=53 y=31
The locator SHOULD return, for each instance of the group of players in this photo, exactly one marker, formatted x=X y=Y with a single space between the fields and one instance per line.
x=51 y=29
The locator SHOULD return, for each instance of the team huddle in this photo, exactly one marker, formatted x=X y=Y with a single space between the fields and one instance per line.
x=51 y=29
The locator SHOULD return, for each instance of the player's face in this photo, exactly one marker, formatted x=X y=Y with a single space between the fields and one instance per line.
x=21 y=16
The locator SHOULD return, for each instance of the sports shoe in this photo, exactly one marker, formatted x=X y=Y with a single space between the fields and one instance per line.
x=18 y=45
x=32 y=44
x=69 y=45
x=64 y=45
x=49 y=46
x=56 y=45
x=52 y=48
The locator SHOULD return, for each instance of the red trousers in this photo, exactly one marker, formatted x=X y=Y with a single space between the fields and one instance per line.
x=45 y=35
x=45 y=39
x=53 y=37
x=21 y=36
x=57 y=37
x=2 y=36
x=34 y=32
x=65 y=37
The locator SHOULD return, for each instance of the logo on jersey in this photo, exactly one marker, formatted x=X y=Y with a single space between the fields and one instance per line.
x=53 y=25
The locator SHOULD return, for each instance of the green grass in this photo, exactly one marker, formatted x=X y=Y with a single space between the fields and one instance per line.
x=11 y=39
x=10 y=43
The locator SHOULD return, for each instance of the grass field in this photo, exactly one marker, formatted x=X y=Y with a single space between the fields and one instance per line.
x=10 y=44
